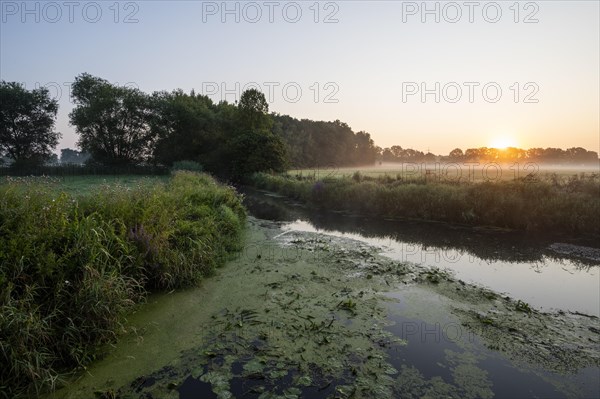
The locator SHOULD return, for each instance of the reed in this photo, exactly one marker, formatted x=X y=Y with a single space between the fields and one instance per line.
x=72 y=267
x=560 y=205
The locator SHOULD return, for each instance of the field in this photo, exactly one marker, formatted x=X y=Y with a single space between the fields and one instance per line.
x=78 y=254
x=458 y=172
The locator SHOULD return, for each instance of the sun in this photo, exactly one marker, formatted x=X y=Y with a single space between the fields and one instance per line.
x=503 y=142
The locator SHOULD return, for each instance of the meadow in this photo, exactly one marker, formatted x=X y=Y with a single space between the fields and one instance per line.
x=78 y=254
x=563 y=204
x=450 y=172
x=83 y=185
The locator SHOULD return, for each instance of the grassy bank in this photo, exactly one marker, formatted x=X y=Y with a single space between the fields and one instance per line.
x=568 y=206
x=71 y=267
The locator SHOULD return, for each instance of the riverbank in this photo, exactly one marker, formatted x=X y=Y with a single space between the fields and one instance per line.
x=563 y=207
x=301 y=314
x=72 y=267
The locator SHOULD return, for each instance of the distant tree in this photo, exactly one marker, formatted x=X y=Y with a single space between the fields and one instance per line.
x=474 y=154
x=535 y=154
x=70 y=156
x=114 y=122
x=52 y=159
x=254 y=111
x=366 y=152
x=581 y=155
x=429 y=157
x=456 y=155
x=512 y=154
x=387 y=156
x=27 y=120
x=397 y=152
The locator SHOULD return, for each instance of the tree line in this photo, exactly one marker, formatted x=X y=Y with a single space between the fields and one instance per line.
x=574 y=155
x=120 y=125
x=557 y=156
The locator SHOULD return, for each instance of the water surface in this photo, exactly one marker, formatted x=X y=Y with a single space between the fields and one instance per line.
x=513 y=263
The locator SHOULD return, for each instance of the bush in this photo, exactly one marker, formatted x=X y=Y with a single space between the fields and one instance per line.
x=72 y=268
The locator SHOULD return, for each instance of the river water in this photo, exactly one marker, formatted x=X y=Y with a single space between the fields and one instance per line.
x=508 y=262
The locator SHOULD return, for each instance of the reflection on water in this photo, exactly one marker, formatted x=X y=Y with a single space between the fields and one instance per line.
x=432 y=354
x=514 y=263
x=440 y=352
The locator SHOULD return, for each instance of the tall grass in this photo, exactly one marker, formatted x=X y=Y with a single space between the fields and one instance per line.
x=568 y=206
x=72 y=268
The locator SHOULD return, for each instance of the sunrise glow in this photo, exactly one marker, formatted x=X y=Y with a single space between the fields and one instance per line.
x=503 y=142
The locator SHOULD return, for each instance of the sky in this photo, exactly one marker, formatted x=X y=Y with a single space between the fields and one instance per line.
x=425 y=75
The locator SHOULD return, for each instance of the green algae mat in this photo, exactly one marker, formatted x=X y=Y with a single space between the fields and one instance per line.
x=308 y=315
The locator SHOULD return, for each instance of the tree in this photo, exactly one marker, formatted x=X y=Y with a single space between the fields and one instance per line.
x=456 y=154
x=581 y=155
x=187 y=128
x=52 y=160
x=254 y=111
x=366 y=152
x=387 y=156
x=256 y=152
x=114 y=122
x=397 y=152
x=475 y=154
x=27 y=120
x=69 y=156
x=253 y=146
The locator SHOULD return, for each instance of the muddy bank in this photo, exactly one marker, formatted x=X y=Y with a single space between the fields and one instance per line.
x=301 y=314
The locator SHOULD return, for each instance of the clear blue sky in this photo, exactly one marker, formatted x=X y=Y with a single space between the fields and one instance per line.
x=366 y=62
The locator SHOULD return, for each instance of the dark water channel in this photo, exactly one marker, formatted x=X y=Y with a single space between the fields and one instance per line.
x=514 y=263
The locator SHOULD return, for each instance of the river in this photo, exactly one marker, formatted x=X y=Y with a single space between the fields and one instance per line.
x=514 y=263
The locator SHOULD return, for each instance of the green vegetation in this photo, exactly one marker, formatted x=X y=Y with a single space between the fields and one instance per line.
x=324 y=144
x=563 y=206
x=27 y=133
x=72 y=267
x=82 y=185
x=124 y=126
x=76 y=171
